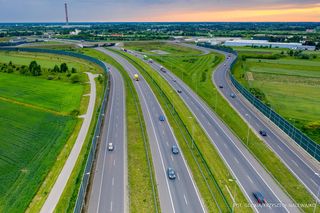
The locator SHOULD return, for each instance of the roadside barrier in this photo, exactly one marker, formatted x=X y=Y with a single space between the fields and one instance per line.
x=299 y=137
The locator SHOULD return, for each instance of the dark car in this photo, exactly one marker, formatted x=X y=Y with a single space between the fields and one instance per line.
x=161 y=118
x=259 y=197
x=232 y=95
x=174 y=80
x=263 y=133
x=179 y=90
x=171 y=174
x=220 y=86
x=175 y=149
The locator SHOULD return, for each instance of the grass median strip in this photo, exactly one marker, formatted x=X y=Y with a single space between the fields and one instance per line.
x=206 y=185
x=143 y=196
x=207 y=91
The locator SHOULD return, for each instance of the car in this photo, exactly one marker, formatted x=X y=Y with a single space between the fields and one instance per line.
x=174 y=80
x=161 y=118
x=179 y=90
x=175 y=149
x=259 y=197
x=110 y=147
x=220 y=86
x=263 y=133
x=225 y=64
x=232 y=95
x=171 y=174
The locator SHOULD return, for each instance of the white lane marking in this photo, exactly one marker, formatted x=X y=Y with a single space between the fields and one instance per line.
x=280 y=147
x=111 y=206
x=296 y=164
x=236 y=160
x=178 y=177
x=250 y=179
x=185 y=199
x=172 y=158
x=105 y=152
x=167 y=143
x=112 y=181
x=114 y=162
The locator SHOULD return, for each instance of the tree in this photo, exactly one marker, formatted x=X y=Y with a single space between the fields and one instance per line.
x=73 y=70
x=34 y=68
x=63 y=67
x=56 y=68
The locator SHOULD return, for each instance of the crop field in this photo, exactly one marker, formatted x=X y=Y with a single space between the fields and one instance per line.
x=291 y=86
x=35 y=124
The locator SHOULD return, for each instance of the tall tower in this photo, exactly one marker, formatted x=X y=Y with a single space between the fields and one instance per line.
x=66 y=11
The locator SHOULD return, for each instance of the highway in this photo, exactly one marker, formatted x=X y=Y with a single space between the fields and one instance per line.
x=300 y=163
x=109 y=187
x=250 y=175
x=179 y=195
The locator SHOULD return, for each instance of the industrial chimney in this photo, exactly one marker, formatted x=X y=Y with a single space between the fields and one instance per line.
x=66 y=11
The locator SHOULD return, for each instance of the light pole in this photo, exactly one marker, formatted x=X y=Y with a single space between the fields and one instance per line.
x=247 y=115
x=315 y=207
x=192 y=133
x=234 y=192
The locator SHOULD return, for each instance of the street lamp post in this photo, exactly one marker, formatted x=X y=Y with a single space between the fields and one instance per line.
x=248 y=129
x=315 y=207
x=192 y=132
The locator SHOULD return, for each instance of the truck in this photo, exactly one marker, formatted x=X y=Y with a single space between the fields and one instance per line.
x=136 y=77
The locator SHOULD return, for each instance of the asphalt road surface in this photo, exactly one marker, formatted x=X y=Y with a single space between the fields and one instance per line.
x=179 y=195
x=109 y=186
x=249 y=174
x=301 y=164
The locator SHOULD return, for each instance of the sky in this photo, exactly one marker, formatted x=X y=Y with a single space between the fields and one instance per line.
x=160 y=10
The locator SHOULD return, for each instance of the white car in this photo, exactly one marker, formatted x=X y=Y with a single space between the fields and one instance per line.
x=110 y=147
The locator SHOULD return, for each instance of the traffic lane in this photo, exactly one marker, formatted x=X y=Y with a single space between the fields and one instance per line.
x=166 y=140
x=271 y=196
x=190 y=188
x=111 y=176
x=294 y=163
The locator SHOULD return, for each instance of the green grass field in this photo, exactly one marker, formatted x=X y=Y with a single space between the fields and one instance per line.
x=168 y=49
x=211 y=96
x=34 y=127
x=291 y=86
x=52 y=95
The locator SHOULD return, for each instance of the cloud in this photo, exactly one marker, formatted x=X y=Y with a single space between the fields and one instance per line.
x=139 y=10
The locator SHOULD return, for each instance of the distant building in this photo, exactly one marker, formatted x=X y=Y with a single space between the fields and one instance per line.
x=75 y=32
x=265 y=43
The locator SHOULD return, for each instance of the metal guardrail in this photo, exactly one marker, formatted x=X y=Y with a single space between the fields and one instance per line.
x=299 y=137
x=91 y=156
x=193 y=147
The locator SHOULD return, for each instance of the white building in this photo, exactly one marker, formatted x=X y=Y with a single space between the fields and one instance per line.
x=265 y=43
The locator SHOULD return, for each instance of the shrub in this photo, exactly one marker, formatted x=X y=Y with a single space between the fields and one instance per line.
x=50 y=77
x=75 y=78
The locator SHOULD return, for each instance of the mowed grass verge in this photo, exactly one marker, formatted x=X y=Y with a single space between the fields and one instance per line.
x=142 y=198
x=216 y=165
x=204 y=87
